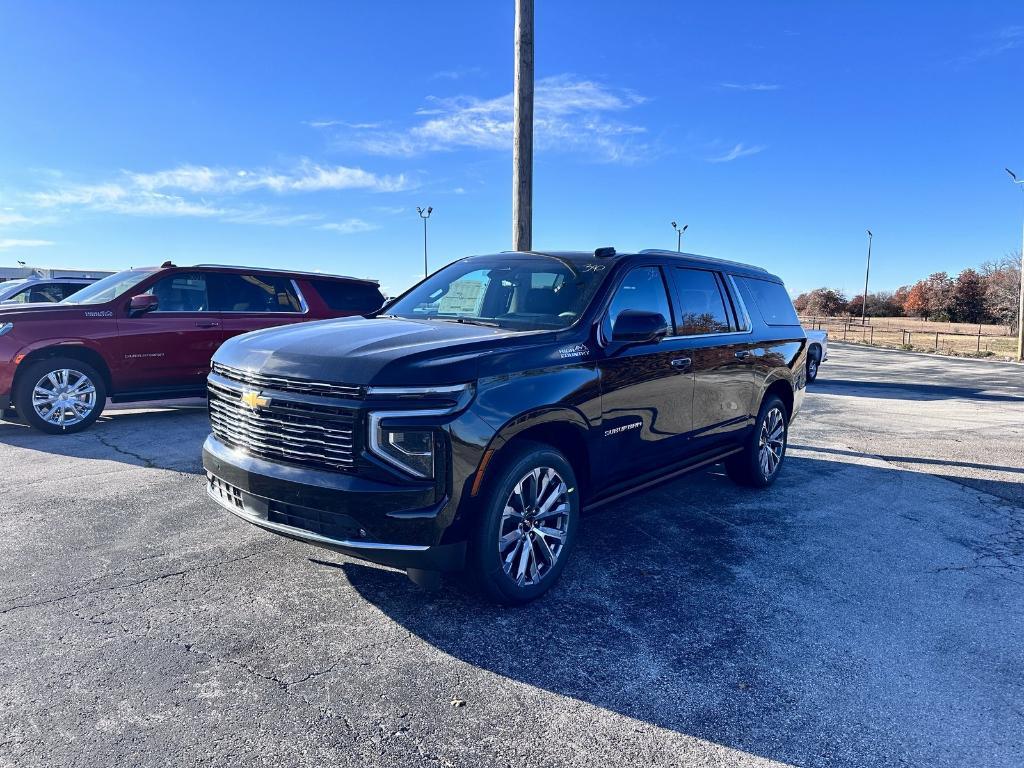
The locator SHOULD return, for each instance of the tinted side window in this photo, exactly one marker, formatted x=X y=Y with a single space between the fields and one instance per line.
x=339 y=295
x=255 y=293
x=643 y=289
x=702 y=308
x=770 y=299
x=181 y=292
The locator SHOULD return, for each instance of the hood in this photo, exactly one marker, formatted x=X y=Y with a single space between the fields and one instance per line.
x=378 y=351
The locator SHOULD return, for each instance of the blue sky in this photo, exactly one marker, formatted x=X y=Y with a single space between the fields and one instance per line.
x=305 y=134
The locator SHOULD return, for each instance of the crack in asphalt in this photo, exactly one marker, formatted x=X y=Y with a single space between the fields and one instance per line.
x=115 y=587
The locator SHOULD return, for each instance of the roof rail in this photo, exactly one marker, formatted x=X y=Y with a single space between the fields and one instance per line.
x=698 y=257
x=290 y=272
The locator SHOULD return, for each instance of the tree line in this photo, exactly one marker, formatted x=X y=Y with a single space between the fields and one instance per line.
x=989 y=294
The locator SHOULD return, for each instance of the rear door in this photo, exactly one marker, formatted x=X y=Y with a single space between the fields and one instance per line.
x=718 y=345
x=171 y=346
x=646 y=389
x=253 y=301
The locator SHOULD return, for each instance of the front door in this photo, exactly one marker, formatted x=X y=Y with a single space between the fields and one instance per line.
x=170 y=347
x=646 y=389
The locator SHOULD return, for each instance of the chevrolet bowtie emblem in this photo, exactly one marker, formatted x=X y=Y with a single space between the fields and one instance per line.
x=254 y=400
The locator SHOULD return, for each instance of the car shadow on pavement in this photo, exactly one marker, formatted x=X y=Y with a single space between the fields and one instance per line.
x=905 y=391
x=162 y=437
x=829 y=620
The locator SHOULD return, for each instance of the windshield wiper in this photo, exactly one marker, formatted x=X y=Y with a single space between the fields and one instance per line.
x=471 y=321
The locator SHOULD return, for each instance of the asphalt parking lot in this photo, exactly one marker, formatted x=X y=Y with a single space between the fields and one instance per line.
x=867 y=610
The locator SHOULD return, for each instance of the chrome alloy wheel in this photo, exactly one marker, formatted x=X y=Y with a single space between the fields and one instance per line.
x=534 y=526
x=772 y=442
x=64 y=397
x=812 y=367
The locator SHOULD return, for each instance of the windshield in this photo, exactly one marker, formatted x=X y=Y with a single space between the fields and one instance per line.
x=109 y=288
x=522 y=293
x=10 y=287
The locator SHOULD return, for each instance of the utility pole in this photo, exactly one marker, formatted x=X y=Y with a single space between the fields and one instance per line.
x=867 y=271
x=425 y=215
x=1020 y=309
x=522 y=130
x=679 y=235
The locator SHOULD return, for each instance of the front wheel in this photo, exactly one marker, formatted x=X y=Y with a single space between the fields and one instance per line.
x=758 y=464
x=527 y=527
x=60 y=395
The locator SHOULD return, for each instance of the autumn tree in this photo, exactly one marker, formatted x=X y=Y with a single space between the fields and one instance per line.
x=967 y=300
x=917 y=303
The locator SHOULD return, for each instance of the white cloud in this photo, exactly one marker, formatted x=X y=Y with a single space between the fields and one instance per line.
x=751 y=86
x=307 y=176
x=8 y=217
x=340 y=124
x=456 y=74
x=12 y=243
x=569 y=115
x=349 y=226
x=736 y=153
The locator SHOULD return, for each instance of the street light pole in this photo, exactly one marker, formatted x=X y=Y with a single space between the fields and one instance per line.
x=425 y=215
x=1020 y=309
x=867 y=271
x=679 y=235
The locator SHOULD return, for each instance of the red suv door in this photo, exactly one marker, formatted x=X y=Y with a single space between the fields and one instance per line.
x=170 y=347
x=250 y=301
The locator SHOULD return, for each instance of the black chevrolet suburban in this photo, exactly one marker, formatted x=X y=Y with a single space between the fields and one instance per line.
x=468 y=423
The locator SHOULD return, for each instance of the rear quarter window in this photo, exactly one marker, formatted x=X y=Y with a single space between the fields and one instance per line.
x=769 y=298
x=342 y=296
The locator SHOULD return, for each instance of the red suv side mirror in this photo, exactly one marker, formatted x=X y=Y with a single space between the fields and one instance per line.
x=141 y=304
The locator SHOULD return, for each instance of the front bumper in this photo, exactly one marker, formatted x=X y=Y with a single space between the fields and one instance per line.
x=385 y=524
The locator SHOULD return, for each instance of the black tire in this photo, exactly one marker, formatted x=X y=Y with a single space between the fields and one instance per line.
x=486 y=562
x=813 y=362
x=81 y=378
x=747 y=468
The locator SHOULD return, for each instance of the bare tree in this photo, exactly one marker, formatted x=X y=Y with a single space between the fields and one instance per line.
x=1002 y=288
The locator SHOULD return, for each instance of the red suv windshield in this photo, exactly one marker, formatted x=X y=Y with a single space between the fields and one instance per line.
x=109 y=288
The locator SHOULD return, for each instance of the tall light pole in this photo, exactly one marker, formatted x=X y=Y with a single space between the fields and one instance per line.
x=425 y=215
x=679 y=235
x=522 y=130
x=1020 y=309
x=867 y=271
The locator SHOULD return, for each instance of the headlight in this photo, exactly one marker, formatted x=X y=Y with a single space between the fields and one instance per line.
x=405 y=448
x=6 y=328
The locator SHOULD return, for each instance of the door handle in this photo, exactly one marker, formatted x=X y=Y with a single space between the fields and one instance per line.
x=743 y=354
x=207 y=324
x=682 y=363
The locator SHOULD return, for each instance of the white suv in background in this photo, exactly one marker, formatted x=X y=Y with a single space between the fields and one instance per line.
x=35 y=290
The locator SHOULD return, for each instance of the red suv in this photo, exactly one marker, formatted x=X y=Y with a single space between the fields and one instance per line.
x=149 y=333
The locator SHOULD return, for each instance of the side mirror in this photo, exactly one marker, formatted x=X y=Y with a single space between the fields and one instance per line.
x=141 y=304
x=638 y=327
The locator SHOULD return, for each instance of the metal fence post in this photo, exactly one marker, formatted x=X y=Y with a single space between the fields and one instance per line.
x=936 y=341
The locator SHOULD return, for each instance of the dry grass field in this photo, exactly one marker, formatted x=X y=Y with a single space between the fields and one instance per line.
x=913 y=333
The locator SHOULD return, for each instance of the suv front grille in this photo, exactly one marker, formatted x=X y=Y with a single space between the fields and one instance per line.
x=287 y=383
x=292 y=431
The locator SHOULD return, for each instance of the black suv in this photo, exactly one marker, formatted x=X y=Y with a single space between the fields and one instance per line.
x=468 y=422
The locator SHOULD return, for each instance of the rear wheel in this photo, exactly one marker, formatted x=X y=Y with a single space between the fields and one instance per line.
x=527 y=527
x=813 y=361
x=60 y=395
x=759 y=463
